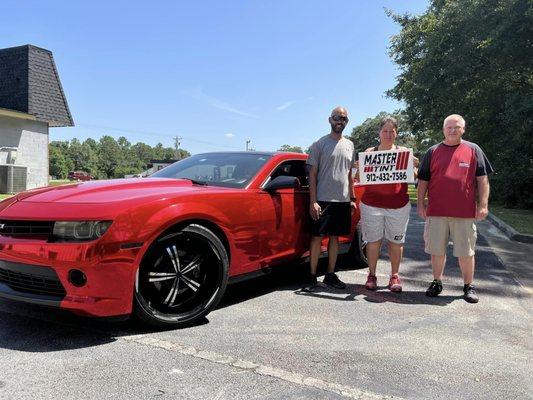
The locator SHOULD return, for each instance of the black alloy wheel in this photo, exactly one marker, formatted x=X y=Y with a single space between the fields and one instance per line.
x=181 y=278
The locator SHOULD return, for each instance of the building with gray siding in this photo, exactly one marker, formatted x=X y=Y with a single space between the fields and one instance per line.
x=31 y=101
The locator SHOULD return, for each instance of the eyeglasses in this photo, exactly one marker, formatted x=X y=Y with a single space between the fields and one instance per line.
x=338 y=118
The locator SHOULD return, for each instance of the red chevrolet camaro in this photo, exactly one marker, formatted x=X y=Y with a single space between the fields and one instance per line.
x=163 y=247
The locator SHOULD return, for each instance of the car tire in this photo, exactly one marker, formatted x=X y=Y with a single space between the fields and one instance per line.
x=358 y=249
x=182 y=277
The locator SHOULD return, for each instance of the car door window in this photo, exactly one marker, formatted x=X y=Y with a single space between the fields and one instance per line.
x=295 y=168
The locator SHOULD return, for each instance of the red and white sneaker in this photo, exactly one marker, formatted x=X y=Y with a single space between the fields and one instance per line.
x=371 y=282
x=395 y=284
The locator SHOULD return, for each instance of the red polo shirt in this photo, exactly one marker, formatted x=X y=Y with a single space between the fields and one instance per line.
x=451 y=172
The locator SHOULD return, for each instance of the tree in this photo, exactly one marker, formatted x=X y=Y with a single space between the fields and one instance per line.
x=89 y=157
x=107 y=158
x=110 y=156
x=183 y=154
x=367 y=134
x=142 y=153
x=474 y=58
x=292 y=149
x=60 y=164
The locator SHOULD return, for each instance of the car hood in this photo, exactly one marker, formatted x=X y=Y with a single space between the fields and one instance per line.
x=97 y=199
x=112 y=191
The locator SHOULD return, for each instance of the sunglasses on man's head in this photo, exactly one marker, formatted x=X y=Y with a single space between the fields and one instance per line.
x=338 y=118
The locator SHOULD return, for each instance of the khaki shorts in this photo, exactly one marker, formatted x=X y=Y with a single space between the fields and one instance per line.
x=389 y=222
x=462 y=232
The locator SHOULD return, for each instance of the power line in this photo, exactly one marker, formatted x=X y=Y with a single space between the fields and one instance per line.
x=157 y=134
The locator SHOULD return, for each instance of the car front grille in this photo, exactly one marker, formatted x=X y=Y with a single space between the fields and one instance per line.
x=26 y=228
x=40 y=280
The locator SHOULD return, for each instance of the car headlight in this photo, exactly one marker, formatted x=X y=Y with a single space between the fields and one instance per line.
x=79 y=231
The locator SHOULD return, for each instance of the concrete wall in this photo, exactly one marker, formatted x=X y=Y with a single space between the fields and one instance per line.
x=31 y=138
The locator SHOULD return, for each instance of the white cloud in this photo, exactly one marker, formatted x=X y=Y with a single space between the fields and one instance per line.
x=285 y=105
x=229 y=135
x=198 y=94
x=290 y=103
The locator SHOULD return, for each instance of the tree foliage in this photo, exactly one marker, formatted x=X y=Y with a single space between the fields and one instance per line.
x=366 y=134
x=474 y=58
x=292 y=149
x=106 y=158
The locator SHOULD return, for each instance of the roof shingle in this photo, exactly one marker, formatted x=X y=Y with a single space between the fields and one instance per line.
x=29 y=82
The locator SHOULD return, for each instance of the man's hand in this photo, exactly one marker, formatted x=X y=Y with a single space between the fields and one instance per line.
x=481 y=211
x=483 y=189
x=353 y=206
x=421 y=196
x=421 y=209
x=315 y=210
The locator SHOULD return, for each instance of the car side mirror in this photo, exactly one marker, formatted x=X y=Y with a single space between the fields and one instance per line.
x=282 y=182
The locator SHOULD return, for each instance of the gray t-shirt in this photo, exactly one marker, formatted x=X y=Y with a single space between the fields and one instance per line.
x=334 y=160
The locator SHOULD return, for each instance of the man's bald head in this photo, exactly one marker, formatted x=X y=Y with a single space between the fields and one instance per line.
x=339 y=111
x=338 y=120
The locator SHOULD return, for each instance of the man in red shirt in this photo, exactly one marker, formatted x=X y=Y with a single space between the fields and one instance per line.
x=453 y=173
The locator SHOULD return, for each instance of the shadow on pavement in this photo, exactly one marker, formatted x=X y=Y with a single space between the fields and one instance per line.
x=408 y=297
x=382 y=295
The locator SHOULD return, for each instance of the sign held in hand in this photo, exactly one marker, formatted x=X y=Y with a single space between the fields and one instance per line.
x=391 y=166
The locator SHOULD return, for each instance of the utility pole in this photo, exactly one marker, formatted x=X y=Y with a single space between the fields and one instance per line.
x=177 y=140
x=247 y=143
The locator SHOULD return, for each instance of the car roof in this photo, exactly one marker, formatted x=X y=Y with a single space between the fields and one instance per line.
x=259 y=153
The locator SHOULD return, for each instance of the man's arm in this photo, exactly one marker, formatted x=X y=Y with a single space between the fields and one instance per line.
x=352 y=191
x=416 y=163
x=421 y=195
x=483 y=190
x=314 y=207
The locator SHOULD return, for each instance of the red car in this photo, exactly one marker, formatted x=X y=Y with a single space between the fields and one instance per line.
x=163 y=247
x=79 y=176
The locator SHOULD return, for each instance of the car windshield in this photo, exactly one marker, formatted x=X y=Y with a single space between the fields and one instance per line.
x=217 y=169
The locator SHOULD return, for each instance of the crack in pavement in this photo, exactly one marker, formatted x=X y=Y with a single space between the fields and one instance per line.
x=242 y=365
x=265 y=370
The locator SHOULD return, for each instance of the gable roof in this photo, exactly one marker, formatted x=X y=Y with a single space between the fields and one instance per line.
x=29 y=83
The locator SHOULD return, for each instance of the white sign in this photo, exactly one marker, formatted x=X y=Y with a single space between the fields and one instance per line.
x=391 y=166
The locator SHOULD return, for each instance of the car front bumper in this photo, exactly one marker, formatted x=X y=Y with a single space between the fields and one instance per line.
x=38 y=273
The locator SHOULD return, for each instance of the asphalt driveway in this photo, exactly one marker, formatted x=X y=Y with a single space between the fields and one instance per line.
x=267 y=340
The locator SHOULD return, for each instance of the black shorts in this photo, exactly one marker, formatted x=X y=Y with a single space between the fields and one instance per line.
x=335 y=219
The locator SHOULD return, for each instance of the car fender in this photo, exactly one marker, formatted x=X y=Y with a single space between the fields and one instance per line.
x=156 y=223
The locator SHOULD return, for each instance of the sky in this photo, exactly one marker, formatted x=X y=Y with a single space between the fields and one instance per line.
x=215 y=74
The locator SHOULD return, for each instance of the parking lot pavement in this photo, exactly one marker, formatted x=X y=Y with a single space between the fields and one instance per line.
x=267 y=340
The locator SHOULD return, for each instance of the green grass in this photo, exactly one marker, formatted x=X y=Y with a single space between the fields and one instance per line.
x=519 y=219
x=57 y=182
x=411 y=191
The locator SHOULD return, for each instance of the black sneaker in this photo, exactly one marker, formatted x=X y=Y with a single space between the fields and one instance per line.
x=331 y=279
x=434 y=289
x=311 y=284
x=470 y=293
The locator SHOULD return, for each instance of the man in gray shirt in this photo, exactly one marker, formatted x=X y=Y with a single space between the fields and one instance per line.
x=331 y=194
